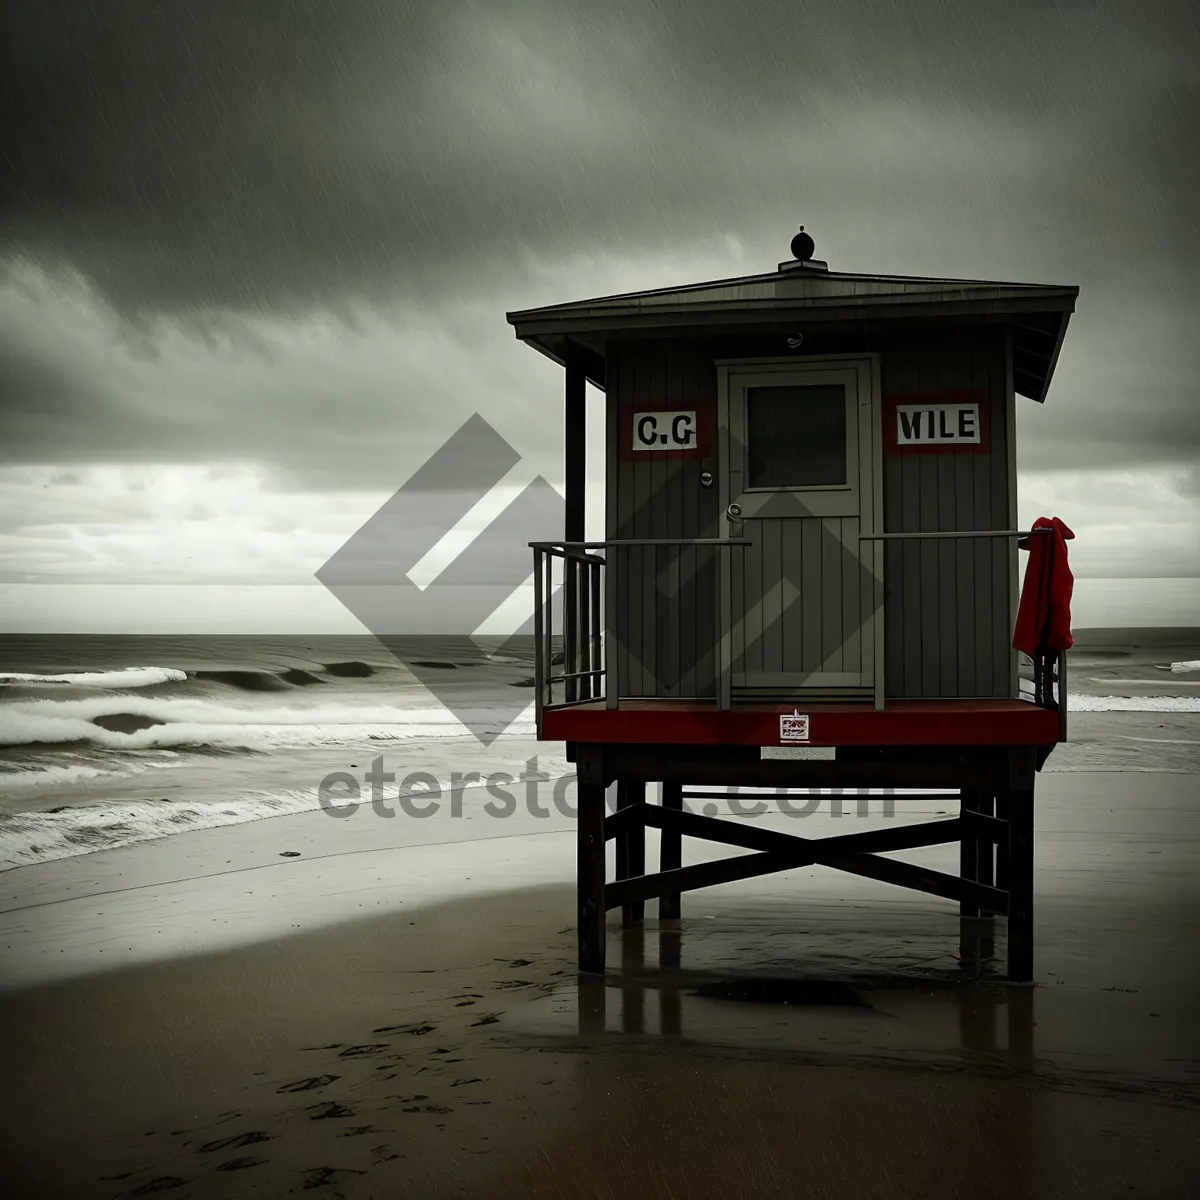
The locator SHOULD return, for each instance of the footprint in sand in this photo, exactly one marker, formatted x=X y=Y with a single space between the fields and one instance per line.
x=240 y=1164
x=316 y=1177
x=162 y=1184
x=308 y=1085
x=328 y=1111
x=236 y=1143
x=363 y=1051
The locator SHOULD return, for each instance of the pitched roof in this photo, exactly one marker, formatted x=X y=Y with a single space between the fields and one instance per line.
x=1037 y=312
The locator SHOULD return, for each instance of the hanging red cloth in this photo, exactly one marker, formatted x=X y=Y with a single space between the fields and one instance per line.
x=1044 y=614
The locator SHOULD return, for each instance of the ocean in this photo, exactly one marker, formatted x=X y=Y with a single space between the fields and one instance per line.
x=107 y=740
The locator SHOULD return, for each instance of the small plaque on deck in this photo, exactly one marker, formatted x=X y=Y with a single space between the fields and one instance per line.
x=793 y=729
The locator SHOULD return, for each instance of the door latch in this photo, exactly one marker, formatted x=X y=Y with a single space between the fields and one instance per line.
x=734 y=512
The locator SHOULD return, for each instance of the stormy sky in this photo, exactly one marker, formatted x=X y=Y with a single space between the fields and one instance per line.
x=256 y=255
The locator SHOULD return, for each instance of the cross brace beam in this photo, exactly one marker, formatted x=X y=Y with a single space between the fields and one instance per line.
x=855 y=853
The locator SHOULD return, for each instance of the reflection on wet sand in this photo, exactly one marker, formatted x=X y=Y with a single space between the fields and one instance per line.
x=620 y=1001
x=929 y=1079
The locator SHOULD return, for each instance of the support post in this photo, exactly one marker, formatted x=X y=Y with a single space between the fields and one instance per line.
x=575 y=468
x=670 y=1009
x=592 y=996
x=670 y=853
x=968 y=853
x=1019 y=802
x=591 y=865
x=633 y=991
x=1020 y=885
x=631 y=846
x=1002 y=847
x=986 y=857
x=985 y=848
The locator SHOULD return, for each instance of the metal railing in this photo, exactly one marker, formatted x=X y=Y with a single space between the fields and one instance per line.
x=1050 y=685
x=590 y=672
x=952 y=533
x=582 y=624
x=1049 y=666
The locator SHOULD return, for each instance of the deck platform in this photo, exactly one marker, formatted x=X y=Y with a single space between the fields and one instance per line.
x=996 y=722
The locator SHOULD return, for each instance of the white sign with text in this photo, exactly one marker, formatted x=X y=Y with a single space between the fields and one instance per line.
x=937 y=424
x=793 y=728
x=664 y=430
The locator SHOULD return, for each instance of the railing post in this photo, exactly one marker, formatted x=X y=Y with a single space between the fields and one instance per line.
x=575 y=468
x=1062 y=695
x=612 y=649
x=570 y=625
x=548 y=631
x=539 y=665
x=724 y=633
x=594 y=663
x=879 y=668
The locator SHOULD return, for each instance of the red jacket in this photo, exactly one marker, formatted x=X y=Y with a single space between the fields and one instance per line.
x=1044 y=614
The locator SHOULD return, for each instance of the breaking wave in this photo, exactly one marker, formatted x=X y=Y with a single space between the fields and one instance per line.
x=126 y=677
x=51 y=776
x=33 y=837
x=1081 y=703
x=132 y=722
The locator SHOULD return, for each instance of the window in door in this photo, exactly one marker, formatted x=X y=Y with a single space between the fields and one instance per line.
x=796 y=436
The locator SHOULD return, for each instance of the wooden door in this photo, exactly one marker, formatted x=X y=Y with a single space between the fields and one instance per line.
x=799 y=473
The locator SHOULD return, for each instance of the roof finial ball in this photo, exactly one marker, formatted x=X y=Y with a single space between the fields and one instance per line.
x=802 y=246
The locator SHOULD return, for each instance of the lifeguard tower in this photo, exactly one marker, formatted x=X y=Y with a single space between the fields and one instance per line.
x=811 y=542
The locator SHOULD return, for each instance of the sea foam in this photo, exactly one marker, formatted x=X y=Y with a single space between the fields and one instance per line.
x=34 y=837
x=188 y=722
x=126 y=677
x=1146 y=704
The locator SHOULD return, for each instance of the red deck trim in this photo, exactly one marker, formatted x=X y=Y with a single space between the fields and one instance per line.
x=901 y=723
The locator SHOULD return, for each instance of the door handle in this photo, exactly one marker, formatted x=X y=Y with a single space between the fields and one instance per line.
x=734 y=512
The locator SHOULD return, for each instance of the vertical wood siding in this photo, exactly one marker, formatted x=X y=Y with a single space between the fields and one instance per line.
x=666 y=632
x=947 y=620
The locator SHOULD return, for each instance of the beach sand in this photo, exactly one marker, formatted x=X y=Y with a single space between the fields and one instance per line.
x=392 y=1010
x=317 y=1064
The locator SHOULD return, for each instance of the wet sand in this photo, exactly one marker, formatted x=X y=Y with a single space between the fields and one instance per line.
x=449 y=1050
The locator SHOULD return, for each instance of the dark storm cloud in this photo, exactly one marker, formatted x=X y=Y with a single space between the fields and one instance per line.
x=274 y=157
x=286 y=152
